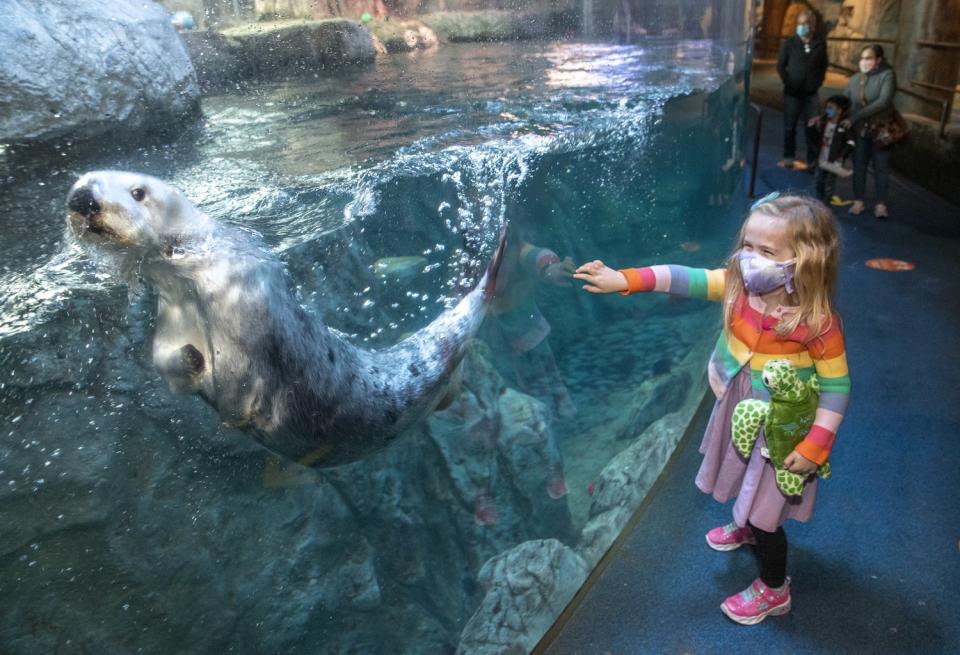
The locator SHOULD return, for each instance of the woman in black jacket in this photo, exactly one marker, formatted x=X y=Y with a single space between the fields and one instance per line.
x=802 y=66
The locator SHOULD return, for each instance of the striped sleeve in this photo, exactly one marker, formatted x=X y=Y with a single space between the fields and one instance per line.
x=830 y=361
x=678 y=280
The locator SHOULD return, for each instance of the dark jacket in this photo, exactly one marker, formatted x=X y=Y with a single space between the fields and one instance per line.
x=841 y=143
x=802 y=72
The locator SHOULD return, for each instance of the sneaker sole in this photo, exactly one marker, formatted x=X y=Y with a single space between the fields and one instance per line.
x=779 y=610
x=723 y=548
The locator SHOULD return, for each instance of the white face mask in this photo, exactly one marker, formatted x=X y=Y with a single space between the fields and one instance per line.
x=867 y=65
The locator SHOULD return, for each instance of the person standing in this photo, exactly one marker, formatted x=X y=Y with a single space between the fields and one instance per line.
x=777 y=289
x=802 y=66
x=871 y=94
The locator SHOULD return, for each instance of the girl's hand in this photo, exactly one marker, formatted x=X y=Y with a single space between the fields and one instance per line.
x=797 y=463
x=600 y=278
x=845 y=123
x=814 y=122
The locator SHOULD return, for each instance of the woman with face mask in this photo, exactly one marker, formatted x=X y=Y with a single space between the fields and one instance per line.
x=871 y=93
x=802 y=65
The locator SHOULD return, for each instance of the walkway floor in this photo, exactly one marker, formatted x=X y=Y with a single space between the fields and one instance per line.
x=877 y=570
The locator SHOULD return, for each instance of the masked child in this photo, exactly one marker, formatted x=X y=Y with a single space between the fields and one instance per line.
x=836 y=144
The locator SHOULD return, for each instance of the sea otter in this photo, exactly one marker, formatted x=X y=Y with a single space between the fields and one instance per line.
x=229 y=328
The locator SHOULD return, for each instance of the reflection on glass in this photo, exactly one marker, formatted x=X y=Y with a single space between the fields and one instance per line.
x=134 y=516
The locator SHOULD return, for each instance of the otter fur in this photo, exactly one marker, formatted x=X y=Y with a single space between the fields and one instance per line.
x=229 y=328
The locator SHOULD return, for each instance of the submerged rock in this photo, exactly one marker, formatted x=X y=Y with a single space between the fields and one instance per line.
x=83 y=69
x=624 y=483
x=527 y=587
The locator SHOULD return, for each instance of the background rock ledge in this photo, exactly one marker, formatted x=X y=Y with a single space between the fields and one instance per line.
x=83 y=69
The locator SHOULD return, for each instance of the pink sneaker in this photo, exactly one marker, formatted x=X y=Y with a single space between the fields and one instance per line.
x=756 y=602
x=729 y=537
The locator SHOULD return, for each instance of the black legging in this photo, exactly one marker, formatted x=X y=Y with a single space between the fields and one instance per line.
x=772 y=551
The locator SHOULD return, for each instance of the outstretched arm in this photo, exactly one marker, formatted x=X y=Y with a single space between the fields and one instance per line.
x=677 y=280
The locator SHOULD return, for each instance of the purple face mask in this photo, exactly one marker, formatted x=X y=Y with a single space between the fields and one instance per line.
x=762 y=275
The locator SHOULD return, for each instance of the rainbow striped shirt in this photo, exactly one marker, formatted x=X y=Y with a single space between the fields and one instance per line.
x=751 y=339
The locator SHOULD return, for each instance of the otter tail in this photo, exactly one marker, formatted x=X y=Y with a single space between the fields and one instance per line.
x=489 y=280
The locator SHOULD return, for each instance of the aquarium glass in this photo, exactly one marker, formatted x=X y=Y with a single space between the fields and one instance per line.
x=137 y=520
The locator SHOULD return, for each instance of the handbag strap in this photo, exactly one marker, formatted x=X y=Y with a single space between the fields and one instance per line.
x=863 y=89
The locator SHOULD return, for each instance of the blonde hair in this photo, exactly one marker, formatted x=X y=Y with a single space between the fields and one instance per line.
x=813 y=235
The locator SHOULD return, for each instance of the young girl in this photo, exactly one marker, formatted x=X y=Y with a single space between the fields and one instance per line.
x=777 y=291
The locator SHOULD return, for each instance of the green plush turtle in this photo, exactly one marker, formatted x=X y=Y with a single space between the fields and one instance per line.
x=786 y=419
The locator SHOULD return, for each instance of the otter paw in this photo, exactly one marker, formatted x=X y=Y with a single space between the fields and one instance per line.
x=192 y=358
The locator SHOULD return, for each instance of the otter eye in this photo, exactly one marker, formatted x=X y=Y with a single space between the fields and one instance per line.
x=138 y=194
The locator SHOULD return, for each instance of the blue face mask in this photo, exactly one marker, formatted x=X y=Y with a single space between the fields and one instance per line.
x=803 y=30
x=830 y=112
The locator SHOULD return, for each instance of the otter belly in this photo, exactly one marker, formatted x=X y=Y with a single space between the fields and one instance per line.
x=181 y=350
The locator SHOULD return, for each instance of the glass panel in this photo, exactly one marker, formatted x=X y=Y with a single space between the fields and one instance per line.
x=403 y=503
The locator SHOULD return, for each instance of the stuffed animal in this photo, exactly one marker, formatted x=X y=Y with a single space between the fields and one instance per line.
x=786 y=419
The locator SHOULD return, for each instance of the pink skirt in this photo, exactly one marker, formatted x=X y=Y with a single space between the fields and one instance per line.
x=726 y=474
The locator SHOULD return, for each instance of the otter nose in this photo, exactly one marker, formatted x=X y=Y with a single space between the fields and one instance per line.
x=82 y=201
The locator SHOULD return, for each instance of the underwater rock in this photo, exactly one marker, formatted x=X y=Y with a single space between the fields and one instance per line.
x=526 y=588
x=84 y=69
x=654 y=398
x=502 y=457
x=625 y=481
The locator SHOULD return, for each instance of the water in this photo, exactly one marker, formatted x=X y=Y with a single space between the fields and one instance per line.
x=134 y=518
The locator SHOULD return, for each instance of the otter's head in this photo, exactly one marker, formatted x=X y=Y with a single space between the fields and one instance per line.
x=129 y=211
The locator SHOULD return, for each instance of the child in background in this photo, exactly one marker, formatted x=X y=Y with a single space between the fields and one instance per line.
x=836 y=144
x=777 y=292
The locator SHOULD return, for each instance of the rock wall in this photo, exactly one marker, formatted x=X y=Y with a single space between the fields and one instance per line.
x=872 y=19
x=87 y=68
x=280 y=50
x=269 y=9
x=527 y=588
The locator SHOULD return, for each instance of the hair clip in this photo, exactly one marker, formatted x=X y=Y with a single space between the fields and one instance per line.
x=770 y=197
